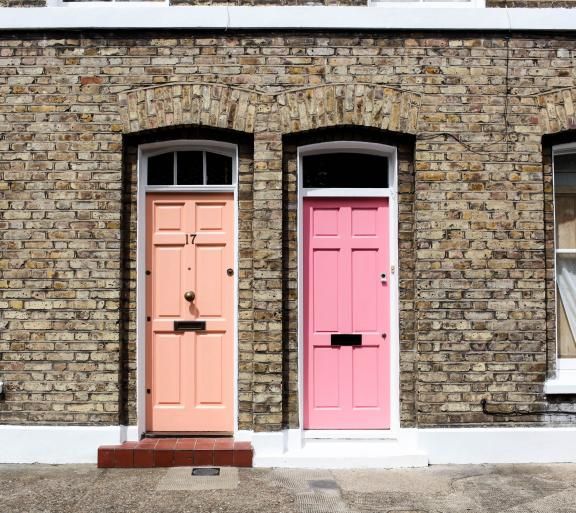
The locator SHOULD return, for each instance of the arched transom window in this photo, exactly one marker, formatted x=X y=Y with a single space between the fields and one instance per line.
x=189 y=168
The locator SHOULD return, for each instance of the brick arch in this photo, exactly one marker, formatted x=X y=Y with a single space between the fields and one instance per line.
x=556 y=111
x=213 y=105
x=341 y=104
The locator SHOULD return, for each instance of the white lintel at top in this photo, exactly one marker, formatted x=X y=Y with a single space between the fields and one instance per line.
x=162 y=16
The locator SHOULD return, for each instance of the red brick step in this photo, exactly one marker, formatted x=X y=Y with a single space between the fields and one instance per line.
x=176 y=452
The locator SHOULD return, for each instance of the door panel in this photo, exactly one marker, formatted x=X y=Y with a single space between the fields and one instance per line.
x=208 y=369
x=345 y=253
x=325 y=264
x=209 y=277
x=168 y=263
x=167 y=375
x=189 y=373
x=365 y=284
x=326 y=361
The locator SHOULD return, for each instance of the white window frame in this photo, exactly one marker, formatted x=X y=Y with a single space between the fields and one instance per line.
x=154 y=149
x=565 y=380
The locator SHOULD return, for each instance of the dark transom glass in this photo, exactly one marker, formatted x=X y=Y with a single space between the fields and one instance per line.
x=345 y=170
x=192 y=168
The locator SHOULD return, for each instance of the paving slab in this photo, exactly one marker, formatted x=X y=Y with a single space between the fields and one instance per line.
x=436 y=489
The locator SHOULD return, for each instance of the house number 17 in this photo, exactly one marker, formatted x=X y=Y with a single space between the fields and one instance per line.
x=193 y=237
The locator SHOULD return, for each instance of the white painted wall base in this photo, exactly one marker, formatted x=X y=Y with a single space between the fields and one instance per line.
x=59 y=444
x=415 y=448
x=292 y=449
x=499 y=445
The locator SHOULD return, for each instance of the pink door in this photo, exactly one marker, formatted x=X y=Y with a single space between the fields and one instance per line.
x=346 y=314
x=189 y=375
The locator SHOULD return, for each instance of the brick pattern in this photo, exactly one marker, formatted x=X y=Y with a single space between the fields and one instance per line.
x=557 y=111
x=176 y=452
x=22 y=3
x=473 y=239
x=352 y=104
x=235 y=109
x=489 y=3
x=267 y=262
x=185 y=104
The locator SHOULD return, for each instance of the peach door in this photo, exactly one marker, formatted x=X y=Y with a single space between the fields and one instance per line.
x=189 y=374
x=346 y=314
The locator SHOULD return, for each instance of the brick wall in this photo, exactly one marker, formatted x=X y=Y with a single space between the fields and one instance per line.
x=489 y=3
x=473 y=226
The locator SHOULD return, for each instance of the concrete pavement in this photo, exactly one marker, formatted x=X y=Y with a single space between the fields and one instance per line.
x=437 y=489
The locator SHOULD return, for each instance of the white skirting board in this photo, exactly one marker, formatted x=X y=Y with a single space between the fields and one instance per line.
x=59 y=444
x=499 y=445
x=417 y=447
x=290 y=448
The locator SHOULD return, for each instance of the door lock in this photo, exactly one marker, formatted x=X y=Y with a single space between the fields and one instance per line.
x=383 y=277
x=189 y=296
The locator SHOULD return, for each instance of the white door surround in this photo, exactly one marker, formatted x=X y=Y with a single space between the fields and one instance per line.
x=390 y=192
x=144 y=152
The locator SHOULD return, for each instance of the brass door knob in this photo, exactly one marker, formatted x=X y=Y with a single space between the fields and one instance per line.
x=189 y=295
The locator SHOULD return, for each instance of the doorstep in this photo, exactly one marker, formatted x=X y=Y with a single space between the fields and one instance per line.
x=299 y=451
x=176 y=452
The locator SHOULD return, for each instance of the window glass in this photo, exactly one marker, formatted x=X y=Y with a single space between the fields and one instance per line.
x=349 y=170
x=565 y=220
x=161 y=169
x=190 y=168
x=565 y=171
x=219 y=169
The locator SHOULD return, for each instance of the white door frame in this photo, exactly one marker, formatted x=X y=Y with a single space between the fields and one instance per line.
x=144 y=152
x=394 y=340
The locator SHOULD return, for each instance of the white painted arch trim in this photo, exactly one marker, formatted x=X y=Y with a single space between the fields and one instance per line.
x=144 y=152
x=302 y=17
x=390 y=152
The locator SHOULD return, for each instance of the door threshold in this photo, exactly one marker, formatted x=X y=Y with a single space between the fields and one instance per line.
x=188 y=434
x=347 y=434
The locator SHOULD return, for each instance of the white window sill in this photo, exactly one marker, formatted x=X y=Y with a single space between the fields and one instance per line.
x=564 y=383
x=285 y=17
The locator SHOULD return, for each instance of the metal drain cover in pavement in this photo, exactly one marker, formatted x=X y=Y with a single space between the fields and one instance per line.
x=324 y=484
x=206 y=471
x=182 y=478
